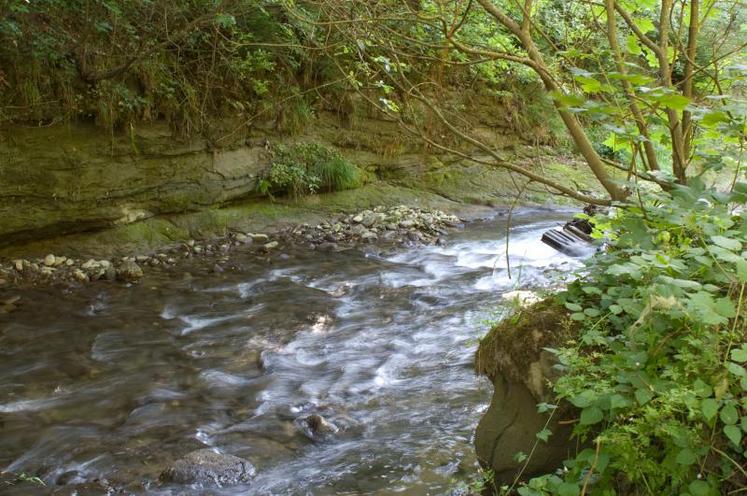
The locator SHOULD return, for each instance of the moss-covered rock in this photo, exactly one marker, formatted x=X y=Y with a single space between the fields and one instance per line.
x=513 y=356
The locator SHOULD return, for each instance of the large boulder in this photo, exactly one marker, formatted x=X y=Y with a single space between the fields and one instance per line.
x=512 y=356
x=206 y=467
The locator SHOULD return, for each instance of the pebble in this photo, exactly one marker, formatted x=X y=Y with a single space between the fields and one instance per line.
x=388 y=224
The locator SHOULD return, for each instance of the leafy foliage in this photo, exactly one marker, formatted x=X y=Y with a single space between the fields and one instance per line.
x=658 y=370
x=118 y=62
x=308 y=168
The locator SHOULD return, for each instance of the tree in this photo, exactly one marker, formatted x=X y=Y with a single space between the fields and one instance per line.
x=656 y=75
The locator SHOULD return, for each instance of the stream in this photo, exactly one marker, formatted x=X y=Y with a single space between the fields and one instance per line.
x=115 y=382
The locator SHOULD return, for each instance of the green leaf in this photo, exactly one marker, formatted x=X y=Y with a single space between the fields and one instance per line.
x=699 y=488
x=742 y=270
x=615 y=309
x=520 y=456
x=709 y=407
x=674 y=101
x=544 y=435
x=591 y=312
x=729 y=414
x=686 y=456
x=574 y=307
x=618 y=401
x=739 y=354
x=728 y=243
x=584 y=399
x=714 y=118
x=643 y=395
x=568 y=489
x=734 y=434
x=591 y=415
x=736 y=369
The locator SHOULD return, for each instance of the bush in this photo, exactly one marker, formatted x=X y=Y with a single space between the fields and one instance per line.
x=308 y=168
x=658 y=369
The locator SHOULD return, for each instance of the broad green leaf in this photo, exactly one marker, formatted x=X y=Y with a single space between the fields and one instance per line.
x=643 y=395
x=674 y=101
x=714 y=118
x=591 y=415
x=568 y=489
x=742 y=270
x=686 y=456
x=709 y=407
x=699 y=488
x=734 y=434
x=729 y=414
x=739 y=354
x=728 y=243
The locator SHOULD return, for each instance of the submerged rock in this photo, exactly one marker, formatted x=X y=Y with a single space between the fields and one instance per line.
x=316 y=427
x=207 y=467
x=129 y=271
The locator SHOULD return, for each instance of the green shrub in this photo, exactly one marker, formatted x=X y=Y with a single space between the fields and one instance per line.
x=308 y=168
x=658 y=369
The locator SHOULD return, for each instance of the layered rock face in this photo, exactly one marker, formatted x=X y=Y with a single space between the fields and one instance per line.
x=75 y=178
x=513 y=358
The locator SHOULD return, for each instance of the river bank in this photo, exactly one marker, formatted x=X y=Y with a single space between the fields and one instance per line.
x=392 y=226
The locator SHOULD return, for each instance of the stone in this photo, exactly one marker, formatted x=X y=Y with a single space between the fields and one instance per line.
x=241 y=237
x=358 y=219
x=80 y=275
x=513 y=356
x=141 y=258
x=49 y=260
x=328 y=247
x=316 y=427
x=129 y=271
x=18 y=265
x=206 y=467
x=260 y=238
x=272 y=244
x=197 y=249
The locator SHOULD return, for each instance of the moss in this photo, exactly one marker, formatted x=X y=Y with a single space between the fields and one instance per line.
x=516 y=342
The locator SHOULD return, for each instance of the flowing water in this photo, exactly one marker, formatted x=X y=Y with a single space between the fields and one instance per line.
x=114 y=382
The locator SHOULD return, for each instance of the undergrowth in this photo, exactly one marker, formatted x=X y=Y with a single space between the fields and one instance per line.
x=657 y=370
x=308 y=168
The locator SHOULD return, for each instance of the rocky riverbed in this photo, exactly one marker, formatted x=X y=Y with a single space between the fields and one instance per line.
x=295 y=370
x=382 y=225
